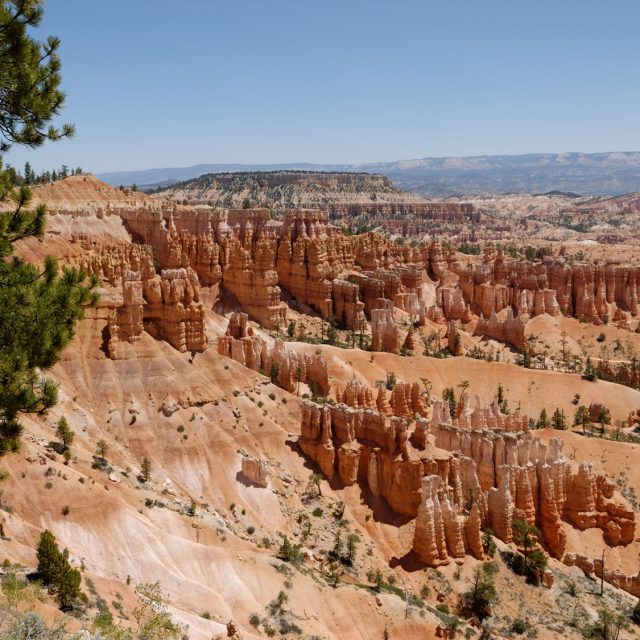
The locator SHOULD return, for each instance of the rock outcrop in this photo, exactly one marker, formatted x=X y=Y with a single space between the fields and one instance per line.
x=285 y=367
x=384 y=331
x=255 y=470
x=173 y=309
x=457 y=477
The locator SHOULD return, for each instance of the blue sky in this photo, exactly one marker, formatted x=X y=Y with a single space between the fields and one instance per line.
x=154 y=83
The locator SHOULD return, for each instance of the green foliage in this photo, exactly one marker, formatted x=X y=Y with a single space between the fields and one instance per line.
x=590 y=372
x=449 y=395
x=31 y=70
x=470 y=249
x=558 y=421
x=519 y=626
x=289 y=552
x=524 y=534
x=377 y=578
x=332 y=330
x=537 y=561
x=488 y=543
x=291 y=328
x=153 y=620
x=39 y=307
x=607 y=627
x=30 y=626
x=101 y=448
x=482 y=593
x=64 y=433
x=543 y=420
x=56 y=572
x=635 y=614
x=254 y=620
x=391 y=380
x=12 y=585
x=145 y=469
x=501 y=397
x=581 y=417
x=47 y=554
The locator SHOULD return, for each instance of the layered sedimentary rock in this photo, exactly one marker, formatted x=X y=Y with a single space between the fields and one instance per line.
x=384 y=331
x=110 y=262
x=404 y=400
x=167 y=305
x=126 y=322
x=458 y=476
x=246 y=257
x=287 y=368
x=551 y=286
x=343 y=195
x=347 y=307
x=249 y=276
x=173 y=309
x=509 y=330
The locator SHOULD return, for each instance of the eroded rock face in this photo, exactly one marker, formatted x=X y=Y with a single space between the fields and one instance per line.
x=167 y=306
x=287 y=368
x=384 y=331
x=174 y=311
x=551 y=287
x=509 y=330
x=457 y=477
x=255 y=470
x=126 y=322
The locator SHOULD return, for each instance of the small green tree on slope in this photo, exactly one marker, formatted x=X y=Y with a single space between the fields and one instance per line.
x=56 y=572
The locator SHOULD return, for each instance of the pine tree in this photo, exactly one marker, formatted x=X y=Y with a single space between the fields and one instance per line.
x=39 y=307
x=101 y=448
x=590 y=372
x=543 y=421
x=56 y=572
x=558 y=420
x=64 y=433
x=67 y=585
x=29 y=175
x=49 y=557
x=582 y=417
x=449 y=395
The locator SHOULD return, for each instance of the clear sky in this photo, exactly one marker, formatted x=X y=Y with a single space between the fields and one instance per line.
x=153 y=83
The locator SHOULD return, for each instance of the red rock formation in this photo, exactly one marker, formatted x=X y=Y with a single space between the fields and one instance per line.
x=255 y=470
x=347 y=307
x=126 y=322
x=429 y=541
x=384 y=331
x=174 y=311
x=288 y=368
x=509 y=330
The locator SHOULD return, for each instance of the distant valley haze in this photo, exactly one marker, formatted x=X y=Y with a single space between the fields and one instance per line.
x=609 y=173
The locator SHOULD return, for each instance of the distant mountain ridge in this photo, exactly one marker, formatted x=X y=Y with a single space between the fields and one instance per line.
x=610 y=173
